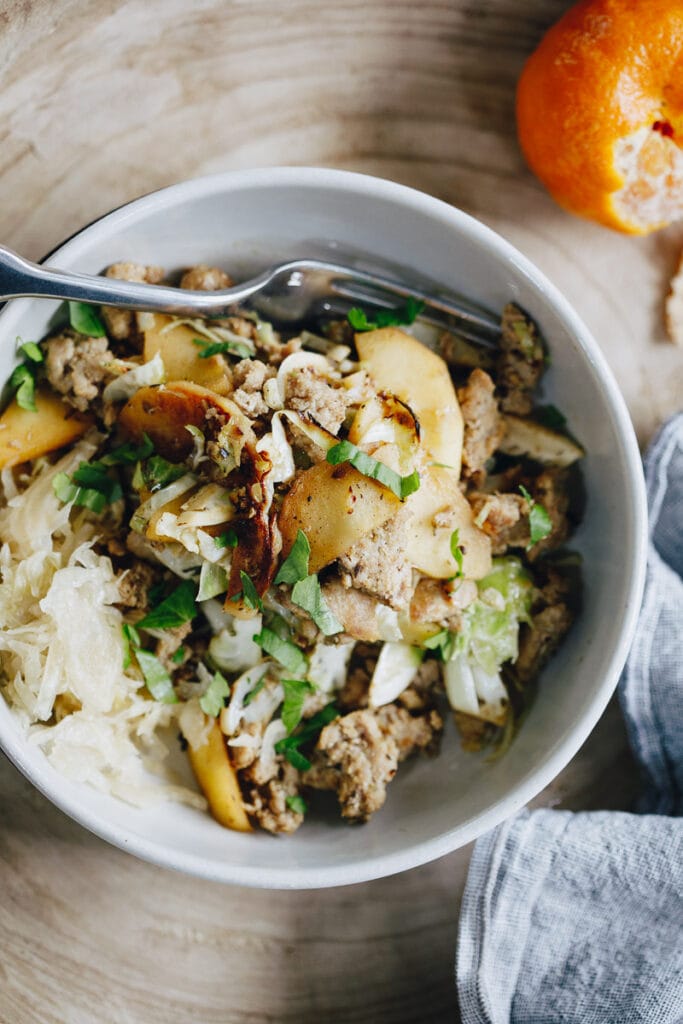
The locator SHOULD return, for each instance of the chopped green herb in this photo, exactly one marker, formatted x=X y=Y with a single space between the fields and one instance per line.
x=212 y=700
x=305 y=734
x=90 y=487
x=131 y=639
x=155 y=594
x=219 y=348
x=402 y=486
x=540 y=523
x=179 y=656
x=85 y=320
x=456 y=551
x=32 y=352
x=295 y=695
x=248 y=593
x=179 y=607
x=226 y=540
x=285 y=652
x=296 y=804
x=157 y=472
x=253 y=692
x=128 y=453
x=23 y=383
x=551 y=417
x=295 y=565
x=443 y=642
x=406 y=314
x=157 y=679
x=307 y=594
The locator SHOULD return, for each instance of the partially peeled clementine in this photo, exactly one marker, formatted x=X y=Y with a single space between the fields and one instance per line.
x=600 y=112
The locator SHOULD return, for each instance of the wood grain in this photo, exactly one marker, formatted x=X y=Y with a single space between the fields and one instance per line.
x=102 y=101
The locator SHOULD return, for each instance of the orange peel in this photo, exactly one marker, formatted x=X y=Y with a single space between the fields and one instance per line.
x=600 y=112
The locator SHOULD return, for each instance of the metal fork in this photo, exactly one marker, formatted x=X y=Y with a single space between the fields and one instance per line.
x=291 y=293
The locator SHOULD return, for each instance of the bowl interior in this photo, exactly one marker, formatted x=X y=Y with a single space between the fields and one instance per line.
x=434 y=805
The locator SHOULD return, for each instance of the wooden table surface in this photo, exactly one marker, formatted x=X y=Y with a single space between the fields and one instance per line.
x=103 y=100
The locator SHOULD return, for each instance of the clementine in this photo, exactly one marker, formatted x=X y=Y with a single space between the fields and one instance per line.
x=600 y=112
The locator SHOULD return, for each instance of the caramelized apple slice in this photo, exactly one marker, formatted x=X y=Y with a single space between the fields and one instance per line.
x=181 y=357
x=218 y=781
x=399 y=363
x=26 y=435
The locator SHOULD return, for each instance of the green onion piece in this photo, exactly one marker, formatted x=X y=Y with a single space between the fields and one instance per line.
x=158 y=472
x=296 y=804
x=296 y=759
x=212 y=700
x=85 y=320
x=179 y=607
x=540 y=523
x=179 y=656
x=295 y=695
x=307 y=594
x=402 y=486
x=157 y=679
x=285 y=652
x=295 y=565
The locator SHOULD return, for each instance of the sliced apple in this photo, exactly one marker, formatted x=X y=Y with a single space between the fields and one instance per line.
x=527 y=437
x=181 y=357
x=164 y=412
x=404 y=366
x=439 y=508
x=218 y=782
x=335 y=506
x=26 y=435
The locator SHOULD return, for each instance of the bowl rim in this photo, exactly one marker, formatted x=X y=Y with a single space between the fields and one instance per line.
x=557 y=757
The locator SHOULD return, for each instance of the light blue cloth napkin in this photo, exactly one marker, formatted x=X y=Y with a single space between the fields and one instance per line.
x=578 y=918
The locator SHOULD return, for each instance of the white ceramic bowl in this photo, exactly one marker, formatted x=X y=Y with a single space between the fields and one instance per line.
x=435 y=805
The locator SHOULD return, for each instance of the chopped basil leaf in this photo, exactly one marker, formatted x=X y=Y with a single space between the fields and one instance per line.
x=85 y=320
x=155 y=594
x=90 y=487
x=216 y=348
x=252 y=693
x=32 y=352
x=443 y=642
x=295 y=565
x=540 y=523
x=402 y=486
x=406 y=314
x=212 y=700
x=179 y=656
x=295 y=695
x=285 y=652
x=296 y=804
x=131 y=638
x=307 y=594
x=456 y=551
x=157 y=679
x=128 y=453
x=296 y=759
x=158 y=472
x=23 y=383
x=248 y=593
x=226 y=540
x=306 y=733
x=179 y=607
x=551 y=417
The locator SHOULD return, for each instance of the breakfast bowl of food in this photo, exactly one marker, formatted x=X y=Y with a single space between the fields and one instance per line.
x=302 y=602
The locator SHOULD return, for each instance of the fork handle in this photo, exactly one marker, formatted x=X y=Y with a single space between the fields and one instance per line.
x=22 y=278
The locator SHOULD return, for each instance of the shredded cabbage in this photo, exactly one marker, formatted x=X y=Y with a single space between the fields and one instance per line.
x=490 y=628
x=60 y=640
